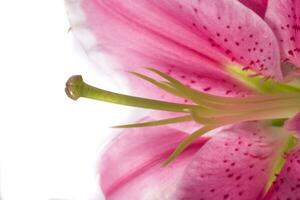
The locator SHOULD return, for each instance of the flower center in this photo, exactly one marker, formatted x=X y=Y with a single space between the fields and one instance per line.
x=272 y=101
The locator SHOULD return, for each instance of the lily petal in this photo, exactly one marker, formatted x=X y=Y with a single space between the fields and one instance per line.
x=287 y=184
x=293 y=124
x=130 y=168
x=235 y=164
x=191 y=40
x=258 y=6
x=284 y=17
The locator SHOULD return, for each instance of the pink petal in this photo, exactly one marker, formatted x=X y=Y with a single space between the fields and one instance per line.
x=293 y=124
x=287 y=184
x=191 y=40
x=258 y=6
x=235 y=164
x=130 y=167
x=284 y=18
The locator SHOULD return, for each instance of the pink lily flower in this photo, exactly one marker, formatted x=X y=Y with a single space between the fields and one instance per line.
x=201 y=53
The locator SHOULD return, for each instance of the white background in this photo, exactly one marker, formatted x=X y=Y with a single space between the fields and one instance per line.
x=49 y=144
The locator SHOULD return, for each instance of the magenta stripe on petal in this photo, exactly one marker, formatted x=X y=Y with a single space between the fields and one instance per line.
x=130 y=168
x=258 y=6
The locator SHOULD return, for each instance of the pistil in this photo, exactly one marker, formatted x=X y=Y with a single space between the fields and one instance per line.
x=76 y=88
x=208 y=110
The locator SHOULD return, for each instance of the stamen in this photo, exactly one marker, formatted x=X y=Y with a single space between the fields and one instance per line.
x=288 y=145
x=224 y=103
x=158 y=122
x=228 y=117
x=278 y=122
x=204 y=98
x=76 y=88
x=213 y=123
x=267 y=105
x=258 y=83
x=164 y=86
x=186 y=142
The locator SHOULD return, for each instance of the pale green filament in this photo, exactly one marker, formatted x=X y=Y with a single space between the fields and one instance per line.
x=235 y=117
x=200 y=97
x=257 y=102
x=259 y=82
x=158 y=122
x=187 y=141
x=288 y=145
x=164 y=86
x=278 y=122
x=281 y=102
x=225 y=104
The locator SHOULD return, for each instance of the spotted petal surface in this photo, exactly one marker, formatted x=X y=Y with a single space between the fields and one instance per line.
x=191 y=40
x=287 y=184
x=235 y=164
x=284 y=17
